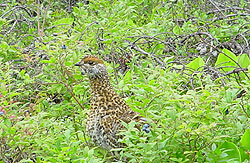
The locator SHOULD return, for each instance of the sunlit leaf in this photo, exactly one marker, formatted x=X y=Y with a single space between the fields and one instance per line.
x=225 y=60
x=231 y=150
x=245 y=139
x=197 y=63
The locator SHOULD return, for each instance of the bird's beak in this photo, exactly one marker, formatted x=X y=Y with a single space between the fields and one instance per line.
x=78 y=64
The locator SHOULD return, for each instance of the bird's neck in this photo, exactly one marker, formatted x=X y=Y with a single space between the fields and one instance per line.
x=101 y=86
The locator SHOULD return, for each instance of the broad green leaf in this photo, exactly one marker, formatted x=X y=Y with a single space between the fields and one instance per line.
x=244 y=61
x=231 y=150
x=197 y=63
x=224 y=60
x=64 y=21
x=245 y=139
x=243 y=153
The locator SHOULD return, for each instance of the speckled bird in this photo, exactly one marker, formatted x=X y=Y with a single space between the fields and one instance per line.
x=108 y=109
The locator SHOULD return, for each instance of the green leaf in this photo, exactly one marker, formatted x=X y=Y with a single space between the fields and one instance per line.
x=159 y=47
x=224 y=60
x=245 y=139
x=68 y=63
x=67 y=134
x=22 y=73
x=172 y=114
x=78 y=76
x=4 y=45
x=52 y=60
x=177 y=30
x=231 y=150
x=214 y=147
x=243 y=153
x=13 y=94
x=168 y=59
x=231 y=94
x=244 y=61
x=7 y=122
x=26 y=160
x=163 y=143
x=64 y=21
x=197 y=63
x=2 y=21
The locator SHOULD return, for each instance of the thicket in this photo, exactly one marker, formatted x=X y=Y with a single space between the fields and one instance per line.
x=182 y=64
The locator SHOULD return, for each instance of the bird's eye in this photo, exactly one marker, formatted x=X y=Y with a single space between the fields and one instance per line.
x=90 y=62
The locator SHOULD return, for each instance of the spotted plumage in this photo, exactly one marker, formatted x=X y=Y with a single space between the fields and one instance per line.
x=108 y=109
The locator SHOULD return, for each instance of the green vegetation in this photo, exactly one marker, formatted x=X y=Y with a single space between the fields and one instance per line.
x=184 y=65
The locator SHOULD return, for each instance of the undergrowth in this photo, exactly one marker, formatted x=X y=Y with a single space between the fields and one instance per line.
x=184 y=65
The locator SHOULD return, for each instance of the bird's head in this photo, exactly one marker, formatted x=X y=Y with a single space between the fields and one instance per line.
x=92 y=66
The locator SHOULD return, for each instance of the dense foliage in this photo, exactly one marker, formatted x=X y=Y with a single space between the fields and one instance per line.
x=184 y=65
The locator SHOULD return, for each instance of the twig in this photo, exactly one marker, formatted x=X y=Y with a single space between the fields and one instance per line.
x=67 y=87
x=243 y=108
x=236 y=70
x=44 y=17
x=197 y=33
x=233 y=61
x=148 y=54
x=228 y=16
x=87 y=27
x=150 y=102
x=14 y=24
x=228 y=9
x=219 y=10
x=38 y=21
x=14 y=8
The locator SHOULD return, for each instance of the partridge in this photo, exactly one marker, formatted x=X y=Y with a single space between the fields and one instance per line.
x=107 y=109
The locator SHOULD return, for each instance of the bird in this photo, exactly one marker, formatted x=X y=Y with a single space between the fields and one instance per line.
x=107 y=108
